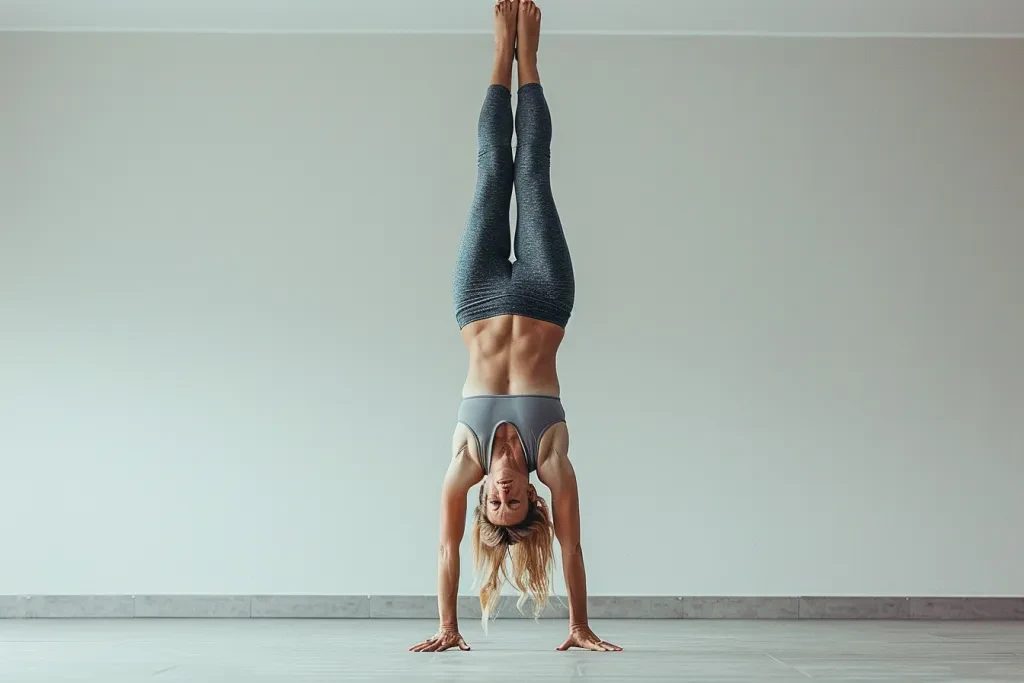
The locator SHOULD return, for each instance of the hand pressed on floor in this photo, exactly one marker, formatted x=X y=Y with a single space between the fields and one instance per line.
x=585 y=639
x=445 y=639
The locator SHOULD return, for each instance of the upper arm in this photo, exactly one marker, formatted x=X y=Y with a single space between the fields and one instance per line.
x=463 y=472
x=556 y=472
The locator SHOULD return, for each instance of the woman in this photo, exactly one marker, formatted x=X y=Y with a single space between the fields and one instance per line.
x=513 y=318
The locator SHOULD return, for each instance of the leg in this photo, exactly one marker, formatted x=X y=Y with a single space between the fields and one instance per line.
x=483 y=271
x=528 y=41
x=543 y=271
x=506 y=25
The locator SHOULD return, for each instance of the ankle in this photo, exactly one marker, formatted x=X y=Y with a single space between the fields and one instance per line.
x=502 y=73
x=528 y=73
x=505 y=54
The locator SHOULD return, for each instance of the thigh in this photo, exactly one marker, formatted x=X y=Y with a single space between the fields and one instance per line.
x=482 y=277
x=544 y=288
x=543 y=269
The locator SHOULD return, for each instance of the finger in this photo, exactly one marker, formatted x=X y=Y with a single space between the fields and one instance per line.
x=565 y=646
x=419 y=647
x=594 y=645
x=452 y=643
x=614 y=648
x=432 y=646
x=463 y=645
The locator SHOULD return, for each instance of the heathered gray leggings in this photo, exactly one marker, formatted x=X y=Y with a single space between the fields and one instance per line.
x=540 y=283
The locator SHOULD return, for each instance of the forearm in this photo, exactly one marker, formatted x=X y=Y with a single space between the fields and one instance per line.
x=576 y=584
x=448 y=586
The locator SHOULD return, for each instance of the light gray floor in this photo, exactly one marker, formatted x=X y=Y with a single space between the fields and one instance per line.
x=375 y=650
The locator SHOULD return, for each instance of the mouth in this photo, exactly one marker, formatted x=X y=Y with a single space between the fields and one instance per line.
x=505 y=482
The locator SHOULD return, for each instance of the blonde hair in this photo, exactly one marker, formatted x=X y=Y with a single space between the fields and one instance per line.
x=529 y=544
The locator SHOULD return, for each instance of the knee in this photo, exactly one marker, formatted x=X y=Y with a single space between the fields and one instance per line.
x=494 y=160
x=532 y=160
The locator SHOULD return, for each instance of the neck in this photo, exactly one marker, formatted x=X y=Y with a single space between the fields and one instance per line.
x=507 y=458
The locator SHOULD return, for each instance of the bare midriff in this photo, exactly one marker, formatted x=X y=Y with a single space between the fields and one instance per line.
x=512 y=355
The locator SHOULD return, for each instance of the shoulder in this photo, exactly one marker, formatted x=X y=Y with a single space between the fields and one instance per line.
x=554 y=468
x=464 y=469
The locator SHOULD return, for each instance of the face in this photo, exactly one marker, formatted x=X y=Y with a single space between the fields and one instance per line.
x=507 y=495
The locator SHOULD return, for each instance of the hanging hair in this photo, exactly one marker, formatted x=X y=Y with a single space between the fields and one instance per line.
x=530 y=547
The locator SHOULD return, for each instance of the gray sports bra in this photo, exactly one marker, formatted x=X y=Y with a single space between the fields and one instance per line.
x=532 y=416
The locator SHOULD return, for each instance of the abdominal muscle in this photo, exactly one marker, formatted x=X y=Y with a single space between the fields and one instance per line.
x=512 y=355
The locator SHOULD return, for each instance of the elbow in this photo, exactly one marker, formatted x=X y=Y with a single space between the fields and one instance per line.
x=447 y=551
x=571 y=549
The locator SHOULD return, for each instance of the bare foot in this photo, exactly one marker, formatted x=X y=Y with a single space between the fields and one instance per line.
x=506 y=15
x=529 y=29
x=528 y=42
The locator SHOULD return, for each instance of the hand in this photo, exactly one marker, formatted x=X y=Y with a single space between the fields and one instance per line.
x=446 y=639
x=585 y=639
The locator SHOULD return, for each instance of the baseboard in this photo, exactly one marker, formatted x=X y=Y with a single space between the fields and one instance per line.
x=425 y=607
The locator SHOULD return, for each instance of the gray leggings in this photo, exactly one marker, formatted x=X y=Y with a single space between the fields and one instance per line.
x=540 y=283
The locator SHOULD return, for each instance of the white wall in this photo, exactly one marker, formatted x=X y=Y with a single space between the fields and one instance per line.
x=228 y=360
